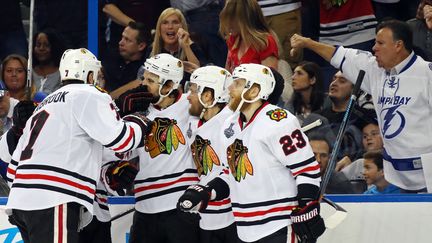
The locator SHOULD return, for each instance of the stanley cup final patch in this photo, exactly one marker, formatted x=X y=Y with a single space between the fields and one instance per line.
x=229 y=132
x=277 y=114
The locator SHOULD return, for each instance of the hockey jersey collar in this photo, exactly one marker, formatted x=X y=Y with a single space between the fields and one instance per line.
x=242 y=118
x=404 y=65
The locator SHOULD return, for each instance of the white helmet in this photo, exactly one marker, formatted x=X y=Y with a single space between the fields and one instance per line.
x=167 y=68
x=77 y=64
x=256 y=74
x=216 y=78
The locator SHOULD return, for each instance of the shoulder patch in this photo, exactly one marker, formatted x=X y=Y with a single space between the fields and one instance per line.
x=277 y=114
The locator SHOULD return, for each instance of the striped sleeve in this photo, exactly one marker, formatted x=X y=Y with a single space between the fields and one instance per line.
x=98 y=117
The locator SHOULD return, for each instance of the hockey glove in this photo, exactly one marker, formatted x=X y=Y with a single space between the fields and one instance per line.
x=194 y=199
x=307 y=222
x=137 y=99
x=121 y=175
x=143 y=122
x=21 y=113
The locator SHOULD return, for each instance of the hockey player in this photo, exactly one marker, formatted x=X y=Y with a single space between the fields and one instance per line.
x=400 y=84
x=208 y=98
x=275 y=178
x=166 y=165
x=57 y=160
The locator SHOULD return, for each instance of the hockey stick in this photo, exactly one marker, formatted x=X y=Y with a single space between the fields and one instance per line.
x=341 y=213
x=309 y=126
x=30 y=53
x=122 y=214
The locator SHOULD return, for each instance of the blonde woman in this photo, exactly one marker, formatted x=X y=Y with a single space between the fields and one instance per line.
x=172 y=37
x=248 y=36
x=14 y=75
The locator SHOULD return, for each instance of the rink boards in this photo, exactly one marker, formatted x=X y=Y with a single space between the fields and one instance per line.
x=384 y=219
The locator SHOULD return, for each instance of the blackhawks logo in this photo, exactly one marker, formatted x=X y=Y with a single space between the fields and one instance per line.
x=203 y=155
x=165 y=137
x=277 y=114
x=238 y=160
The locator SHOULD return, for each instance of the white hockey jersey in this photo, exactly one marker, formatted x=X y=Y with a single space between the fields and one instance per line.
x=58 y=157
x=166 y=165
x=208 y=153
x=402 y=99
x=268 y=158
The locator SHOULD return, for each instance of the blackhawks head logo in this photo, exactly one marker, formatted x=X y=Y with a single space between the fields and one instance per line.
x=238 y=160
x=277 y=114
x=165 y=137
x=204 y=155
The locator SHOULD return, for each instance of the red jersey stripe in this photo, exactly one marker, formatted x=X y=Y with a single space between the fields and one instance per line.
x=220 y=203
x=56 y=179
x=131 y=135
x=166 y=184
x=307 y=169
x=263 y=212
x=10 y=171
x=60 y=224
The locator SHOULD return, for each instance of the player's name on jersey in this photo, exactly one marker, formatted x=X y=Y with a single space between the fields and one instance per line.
x=54 y=98
x=395 y=100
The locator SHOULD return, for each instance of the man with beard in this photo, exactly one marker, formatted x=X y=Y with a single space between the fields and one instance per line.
x=166 y=167
x=208 y=98
x=274 y=178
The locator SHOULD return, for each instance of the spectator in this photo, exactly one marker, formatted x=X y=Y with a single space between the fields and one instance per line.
x=284 y=17
x=12 y=36
x=308 y=90
x=351 y=23
x=338 y=183
x=47 y=51
x=7 y=105
x=339 y=95
x=198 y=11
x=421 y=27
x=14 y=75
x=372 y=140
x=120 y=13
x=132 y=47
x=172 y=37
x=374 y=174
x=399 y=82
x=68 y=18
x=248 y=36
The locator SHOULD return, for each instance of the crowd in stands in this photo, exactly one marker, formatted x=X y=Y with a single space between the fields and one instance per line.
x=225 y=33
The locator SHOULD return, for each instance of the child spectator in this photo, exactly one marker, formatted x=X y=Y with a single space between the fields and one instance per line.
x=374 y=174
